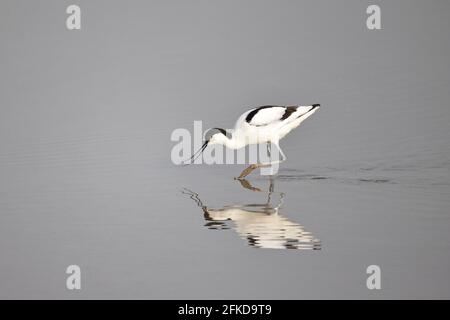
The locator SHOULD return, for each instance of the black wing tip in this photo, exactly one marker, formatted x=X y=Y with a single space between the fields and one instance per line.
x=316 y=105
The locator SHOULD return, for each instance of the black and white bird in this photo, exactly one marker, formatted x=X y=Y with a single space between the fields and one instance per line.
x=265 y=124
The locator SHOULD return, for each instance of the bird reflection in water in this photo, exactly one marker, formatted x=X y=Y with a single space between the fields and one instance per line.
x=261 y=225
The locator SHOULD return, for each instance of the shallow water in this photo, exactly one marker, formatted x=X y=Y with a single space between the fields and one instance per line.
x=86 y=175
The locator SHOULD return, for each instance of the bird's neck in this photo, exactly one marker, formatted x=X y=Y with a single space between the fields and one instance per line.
x=233 y=143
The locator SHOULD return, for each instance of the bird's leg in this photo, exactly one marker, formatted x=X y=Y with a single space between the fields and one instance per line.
x=282 y=158
x=250 y=168
x=247 y=171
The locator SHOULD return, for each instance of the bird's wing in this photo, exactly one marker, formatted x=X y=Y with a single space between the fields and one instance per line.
x=265 y=115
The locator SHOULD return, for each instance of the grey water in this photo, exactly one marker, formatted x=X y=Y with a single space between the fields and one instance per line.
x=86 y=177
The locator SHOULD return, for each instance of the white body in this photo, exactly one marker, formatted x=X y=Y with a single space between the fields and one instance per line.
x=266 y=126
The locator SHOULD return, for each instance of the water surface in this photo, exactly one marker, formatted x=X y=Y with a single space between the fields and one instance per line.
x=86 y=176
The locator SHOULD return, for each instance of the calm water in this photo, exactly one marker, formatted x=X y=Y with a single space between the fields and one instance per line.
x=86 y=176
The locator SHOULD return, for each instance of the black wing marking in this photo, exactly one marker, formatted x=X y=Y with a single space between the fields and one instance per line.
x=250 y=116
x=288 y=111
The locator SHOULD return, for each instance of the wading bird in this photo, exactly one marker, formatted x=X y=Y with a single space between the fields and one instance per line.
x=261 y=224
x=266 y=124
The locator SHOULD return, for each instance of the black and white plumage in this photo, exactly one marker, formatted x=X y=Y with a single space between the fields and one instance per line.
x=272 y=123
x=265 y=124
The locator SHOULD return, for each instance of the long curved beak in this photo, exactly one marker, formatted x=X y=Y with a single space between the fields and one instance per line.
x=196 y=154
